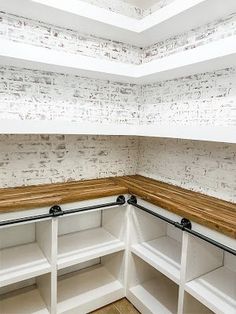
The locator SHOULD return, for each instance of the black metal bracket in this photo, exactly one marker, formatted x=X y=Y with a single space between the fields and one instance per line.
x=120 y=200
x=56 y=211
x=132 y=200
x=184 y=225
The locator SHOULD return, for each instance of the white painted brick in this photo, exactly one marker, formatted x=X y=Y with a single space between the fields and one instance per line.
x=203 y=99
x=36 y=33
x=205 y=167
x=37 y=95
x=38 y=159
x=216 y=30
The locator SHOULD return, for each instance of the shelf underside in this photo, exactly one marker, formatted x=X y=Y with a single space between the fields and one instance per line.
x=22 y=262
x=163 y=253
x=85 y=245
x=87 y=290
x=217 y=290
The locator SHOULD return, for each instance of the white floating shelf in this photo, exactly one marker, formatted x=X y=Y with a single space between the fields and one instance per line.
x=87 y=290
x=25 y=302
x=88 y=18
x=213 y=56
x=22 y=262
x=158 y=295
x=78 y=247
x=216 y=290
x=201 y=133
x=163 y=253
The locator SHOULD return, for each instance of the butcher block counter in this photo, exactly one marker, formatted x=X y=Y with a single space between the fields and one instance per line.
x=211 y=212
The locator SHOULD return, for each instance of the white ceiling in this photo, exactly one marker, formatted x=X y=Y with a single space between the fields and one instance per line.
x=144 y=4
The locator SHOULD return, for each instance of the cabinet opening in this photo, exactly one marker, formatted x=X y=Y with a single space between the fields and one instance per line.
x=93 y=286
x=28 y=296
x=211 y=276
x=158 y=243
x=25 y=251
x=149 y=290
x=89 y=235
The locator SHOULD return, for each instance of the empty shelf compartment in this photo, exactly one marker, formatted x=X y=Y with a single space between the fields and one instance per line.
x=217 y=290
x=85 y=245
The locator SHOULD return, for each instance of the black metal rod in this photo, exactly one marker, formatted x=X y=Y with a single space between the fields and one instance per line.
x=185 y=225
x=24 y=219
x=213 y=242
x=119 y=201
x=56 y=211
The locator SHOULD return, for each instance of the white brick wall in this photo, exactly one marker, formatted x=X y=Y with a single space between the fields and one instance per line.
x=216 y=30
x=51 y=37
x=203 y=99
x=38 y=159
x=200 y=166
x=37 y=95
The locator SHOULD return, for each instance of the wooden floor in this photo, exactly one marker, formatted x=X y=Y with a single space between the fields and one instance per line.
x=122 y=306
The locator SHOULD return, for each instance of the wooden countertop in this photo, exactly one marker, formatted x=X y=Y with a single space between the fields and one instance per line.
x=205 y=210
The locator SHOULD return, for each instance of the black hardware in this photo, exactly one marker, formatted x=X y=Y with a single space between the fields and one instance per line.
x=184 y=225
x=56 y=211
x=24 y=219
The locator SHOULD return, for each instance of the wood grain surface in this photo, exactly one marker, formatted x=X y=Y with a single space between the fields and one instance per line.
x=206 y=210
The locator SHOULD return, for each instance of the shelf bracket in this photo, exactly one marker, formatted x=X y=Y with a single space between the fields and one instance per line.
x=56 y=211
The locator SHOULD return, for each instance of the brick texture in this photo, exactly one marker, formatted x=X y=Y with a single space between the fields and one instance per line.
x=38 y=159
x=199 y=166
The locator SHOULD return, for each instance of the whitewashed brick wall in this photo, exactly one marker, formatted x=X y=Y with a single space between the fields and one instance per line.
x=51 y=37
x=200 y=166
x=36 y=33
x=38 y=159
x=216 y=30
x=203 y=99
x=37 y=95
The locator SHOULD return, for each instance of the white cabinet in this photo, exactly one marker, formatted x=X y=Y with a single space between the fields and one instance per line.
x=79 y=262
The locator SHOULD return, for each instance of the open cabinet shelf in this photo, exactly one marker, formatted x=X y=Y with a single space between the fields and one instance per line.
x=157 y=243
x=22 y=262
x=26 y=301
x=163 y=253
x=216 y=289
x=24 y=252
x=85 y=245
x=89 y=235
x=27 y=297
x=92 y=287
x=150 y=291
x=211 y=276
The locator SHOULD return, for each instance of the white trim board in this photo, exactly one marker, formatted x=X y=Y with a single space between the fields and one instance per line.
x=84 y=17
x=200 y=133
x=213 y=56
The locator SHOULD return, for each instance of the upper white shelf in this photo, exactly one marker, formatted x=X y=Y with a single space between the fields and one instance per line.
x=209 y=57
x=84 y=17
x=201 y=133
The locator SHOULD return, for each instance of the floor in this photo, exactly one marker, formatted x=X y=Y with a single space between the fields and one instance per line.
x=122 y=306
